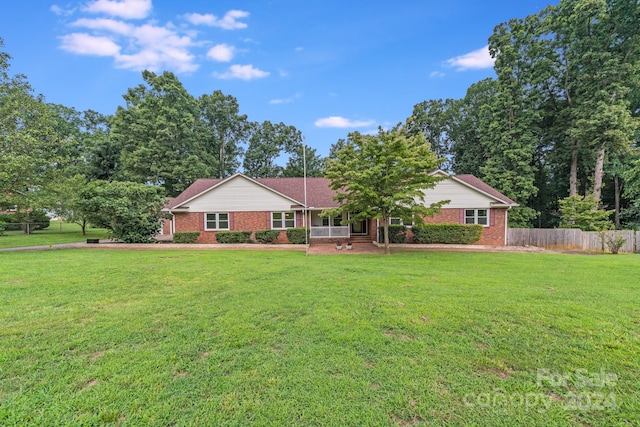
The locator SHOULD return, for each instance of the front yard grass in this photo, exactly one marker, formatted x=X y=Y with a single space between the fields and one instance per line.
x=57 y=232
x=93 y=337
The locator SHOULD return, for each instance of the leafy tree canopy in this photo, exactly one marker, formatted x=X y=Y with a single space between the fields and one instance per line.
x=30 y=148
x=383 y=176
x=130 y=210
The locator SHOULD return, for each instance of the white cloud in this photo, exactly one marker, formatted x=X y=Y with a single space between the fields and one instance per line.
x=475 y=60
x=228 y=22
x=341 y=122
x=221 y=53
x=285 y=100
x=436 y=74
x=158 y=48
x=242 y=72
x=127 y=9
x=140 y=47
x=151 y=45
x=110 y=25
x=86 y=44
x=60 y=11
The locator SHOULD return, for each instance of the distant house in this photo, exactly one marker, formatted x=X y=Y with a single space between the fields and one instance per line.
x=242 y=203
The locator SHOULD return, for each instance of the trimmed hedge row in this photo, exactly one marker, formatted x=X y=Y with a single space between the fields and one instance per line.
x=186 y=237
x=266 y=236
x=461 y=234
x=233 y=236
x=397 y=233
x=297 y=235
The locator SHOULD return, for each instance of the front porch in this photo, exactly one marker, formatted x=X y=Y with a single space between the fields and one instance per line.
x=332 y=228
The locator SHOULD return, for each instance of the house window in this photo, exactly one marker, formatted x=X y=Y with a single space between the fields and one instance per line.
x=476 y=216
x=335 y=220
x=399 y=221
x=216 y=221
x=280 y=220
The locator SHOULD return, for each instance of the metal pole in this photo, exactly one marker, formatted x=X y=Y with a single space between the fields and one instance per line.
x=304 y=174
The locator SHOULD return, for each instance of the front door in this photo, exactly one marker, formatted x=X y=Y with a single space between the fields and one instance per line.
x=359 y=227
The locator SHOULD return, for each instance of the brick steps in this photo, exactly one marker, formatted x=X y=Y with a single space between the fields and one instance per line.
x=360 y=239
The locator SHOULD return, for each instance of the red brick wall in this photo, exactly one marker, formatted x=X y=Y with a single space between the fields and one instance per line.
x=166 y=227
x=240 y=221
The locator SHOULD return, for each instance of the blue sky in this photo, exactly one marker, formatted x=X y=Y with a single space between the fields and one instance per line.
x=326 y=67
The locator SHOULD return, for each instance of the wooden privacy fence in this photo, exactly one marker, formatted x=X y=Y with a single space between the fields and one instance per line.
x=570 y=238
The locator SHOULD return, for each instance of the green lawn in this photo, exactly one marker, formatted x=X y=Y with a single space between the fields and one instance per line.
x=57 y=232
x=92 y=337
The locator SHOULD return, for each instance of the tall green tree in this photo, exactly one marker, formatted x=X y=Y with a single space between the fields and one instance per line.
x=156 y=134
x=267 y=143
x=30 y=147
x=103 y=153
x=64 y=198
x=509 y=126
x=467 y=149
x=295 y=166
x=221 y=133
x=432 y=118
x=383 y=176
x=599 y=50
x=131 y=211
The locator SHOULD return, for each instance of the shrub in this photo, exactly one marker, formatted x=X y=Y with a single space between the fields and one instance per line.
x=186 y=237
x=267 y=236
x=461 y=234
x=584 y=213
x=614 y=242
x=2 y=227
x=297 y=235
x=130 y=211
x=397 y=233
x=233 y=236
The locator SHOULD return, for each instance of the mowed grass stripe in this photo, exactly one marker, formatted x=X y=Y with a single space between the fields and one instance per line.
x=277 y=338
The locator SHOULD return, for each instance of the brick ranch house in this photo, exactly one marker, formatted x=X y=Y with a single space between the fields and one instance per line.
x=241 y=203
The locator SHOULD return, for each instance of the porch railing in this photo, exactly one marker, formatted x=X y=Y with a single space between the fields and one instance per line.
x=329 y=232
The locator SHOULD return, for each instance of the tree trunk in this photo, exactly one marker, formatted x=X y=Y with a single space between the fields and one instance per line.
x=597 y=174
x=84 y=227
x=387 y=249
x=573 y=176
x=616 y=191
x=221 y=165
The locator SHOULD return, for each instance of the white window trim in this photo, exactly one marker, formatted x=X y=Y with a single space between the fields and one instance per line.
x=400 y=223
x=475 y=216
x=217 y=214
x=283 y=221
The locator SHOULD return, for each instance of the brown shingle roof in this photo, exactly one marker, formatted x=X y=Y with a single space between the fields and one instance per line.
x=319 y=192
x=482 y=186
